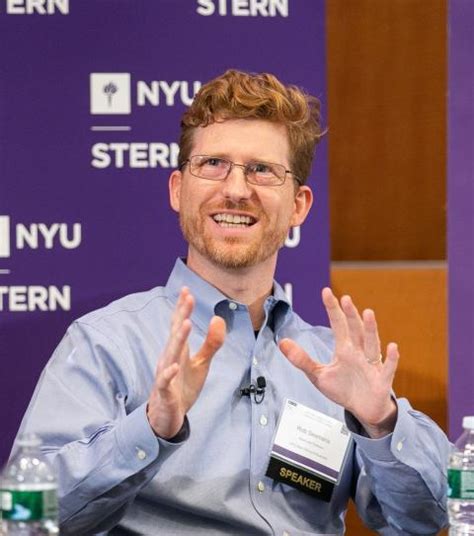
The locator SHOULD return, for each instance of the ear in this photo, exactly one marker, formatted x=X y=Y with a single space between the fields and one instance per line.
x=303 y=202
x=174 y=185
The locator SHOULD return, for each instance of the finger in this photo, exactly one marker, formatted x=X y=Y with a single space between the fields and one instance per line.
x=166 y=376
x=180 y=327
x=371 y=336
x=183 y=309
x=177 y=343
x=354 y=321
x=391 y=361
x=179 y=303
x=214 y=340
x=337 y=318
x=299 y=358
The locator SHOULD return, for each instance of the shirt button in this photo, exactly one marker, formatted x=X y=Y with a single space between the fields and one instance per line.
x=261 y=487
x=141 y=454
x=399 y=446
x=255 y=361
x=263 y=420
x=232 y=306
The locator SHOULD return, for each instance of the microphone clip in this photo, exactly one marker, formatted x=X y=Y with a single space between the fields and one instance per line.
x=258 y=391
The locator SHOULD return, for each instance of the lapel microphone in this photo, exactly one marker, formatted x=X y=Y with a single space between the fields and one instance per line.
x=258 y=391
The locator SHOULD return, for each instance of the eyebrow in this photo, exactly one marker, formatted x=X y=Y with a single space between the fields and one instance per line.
x=246 y=161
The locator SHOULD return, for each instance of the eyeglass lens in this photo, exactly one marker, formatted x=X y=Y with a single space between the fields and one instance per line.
x=214 y=168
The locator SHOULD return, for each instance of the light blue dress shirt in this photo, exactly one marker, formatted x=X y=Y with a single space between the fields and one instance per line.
x=115 y=475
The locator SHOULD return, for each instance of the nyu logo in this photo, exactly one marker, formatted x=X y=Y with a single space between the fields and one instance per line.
x=38 y=235
x=21 y=298
x=4 y=237
x=39 y=7
x=110 y=93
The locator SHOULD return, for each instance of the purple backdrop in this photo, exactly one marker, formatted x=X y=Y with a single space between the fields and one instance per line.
x=84 y=214
x=461 y=212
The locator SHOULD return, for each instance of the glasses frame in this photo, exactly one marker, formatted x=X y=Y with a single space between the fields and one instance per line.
x=244 y=169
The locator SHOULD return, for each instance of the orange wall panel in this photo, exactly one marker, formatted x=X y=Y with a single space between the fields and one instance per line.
x=410 y=306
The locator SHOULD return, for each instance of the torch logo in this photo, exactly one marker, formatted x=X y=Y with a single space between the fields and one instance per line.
x=4 y=237
x=110 y=93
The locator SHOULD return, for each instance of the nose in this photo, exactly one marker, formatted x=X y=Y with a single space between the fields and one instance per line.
x=235 y=186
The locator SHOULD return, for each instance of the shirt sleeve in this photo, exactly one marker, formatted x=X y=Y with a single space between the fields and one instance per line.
x=94 y=431
x=401 y=486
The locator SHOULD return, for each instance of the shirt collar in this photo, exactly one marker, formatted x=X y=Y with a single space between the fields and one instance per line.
x=208 y=297
x=279 y=307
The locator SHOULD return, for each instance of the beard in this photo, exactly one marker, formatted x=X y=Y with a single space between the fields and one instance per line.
x=232 y=252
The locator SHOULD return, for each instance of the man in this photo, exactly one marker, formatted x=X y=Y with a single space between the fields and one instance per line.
x=139 y=408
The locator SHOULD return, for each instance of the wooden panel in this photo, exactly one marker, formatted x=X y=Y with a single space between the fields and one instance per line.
x=387 y=128
x=410 y=305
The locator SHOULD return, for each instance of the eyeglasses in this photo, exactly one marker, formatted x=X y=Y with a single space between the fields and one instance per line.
x=215 y=168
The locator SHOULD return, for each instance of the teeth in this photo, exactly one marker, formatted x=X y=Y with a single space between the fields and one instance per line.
x=235 y=219
x=226 y=224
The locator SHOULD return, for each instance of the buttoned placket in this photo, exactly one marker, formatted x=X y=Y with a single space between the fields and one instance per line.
x=238 y=320
x=261 y=430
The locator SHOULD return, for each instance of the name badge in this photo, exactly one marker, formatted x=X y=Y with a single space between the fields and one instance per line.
x=309 y=450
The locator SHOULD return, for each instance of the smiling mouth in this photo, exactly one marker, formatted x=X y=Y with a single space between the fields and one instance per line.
x=234 y=220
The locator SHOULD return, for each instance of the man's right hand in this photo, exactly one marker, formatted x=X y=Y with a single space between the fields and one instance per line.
x=179 y=377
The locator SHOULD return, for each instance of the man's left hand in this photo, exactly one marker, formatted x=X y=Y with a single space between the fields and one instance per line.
x=356 y=378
